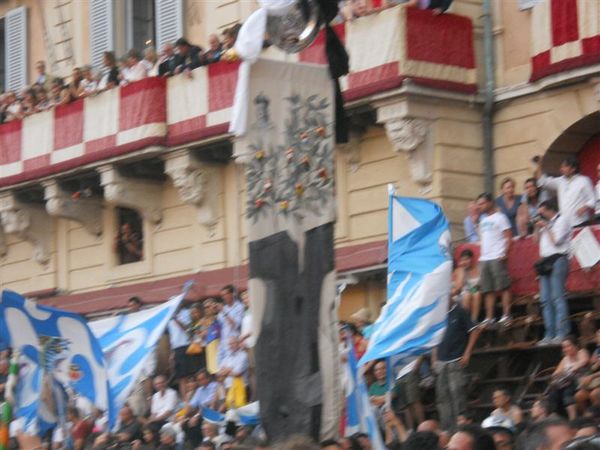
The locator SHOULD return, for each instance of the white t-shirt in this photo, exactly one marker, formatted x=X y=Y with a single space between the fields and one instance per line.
x=491 y=233
x=247 y=329
x=598 y=197
x=178 y=337
x=163 y=403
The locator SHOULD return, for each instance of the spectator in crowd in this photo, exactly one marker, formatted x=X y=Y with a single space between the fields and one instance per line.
x=110 y=74
x=471 y=437
x=150 y=61
x=167 y=62
x=362 y=320
x=88 y=85
x=235 y=370
x=566 y=377
x=230 y=319
x=189 y=57
x=134 y=304
x=212 y=336
x=589 y=384
x=553 y=231
x=29 y=103
x=528 y=210
x=149 y=440
x=470 y=222
x=505 y=408
x=179 y=341
x=465 y=418
x=433 y=426
x=540 y=410
x=422 y=440
x=135 y=69
x=196 y=332
x=163 y=405
x=408 y=388
x=465 y=284
x=127 y=245
x=449 y=359
x=548 y=434
x=44 y=103
x=210 y=432
x=129 y=427
x=359 y=343
x=80 y=428
x=206 y=393
x=503 y=437
x=76 y=79
x=215 y=50
x=14 y=109
x=394 y=432
x=379 y=388
x=508 y=203
x=59 y=94
x=576 y=197
x=43 y=79
x=168 y=437
x=496 y=239
x=437 y=6
x=229 y=38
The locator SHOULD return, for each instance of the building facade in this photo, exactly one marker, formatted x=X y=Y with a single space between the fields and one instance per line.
x=156 y=153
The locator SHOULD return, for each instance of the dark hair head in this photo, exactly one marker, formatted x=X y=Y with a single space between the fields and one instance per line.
x=571 y=161
x=182 y=42
x=550 y=204
x=110 y=57
x=467 y=253
x=329 y=443
x=422 y=440
x=74 y=411
x=481 y=439
x=531 y=180
x=487 y=196
x=135 y=299
x=572 y=339
x=507 y=180
x=229 y=288
x=544 y=404
x=133 y=53
x=207 y=445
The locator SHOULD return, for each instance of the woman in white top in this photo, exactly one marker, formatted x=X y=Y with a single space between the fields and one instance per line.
x=151 y=61
x=465 y=284
x=566 y=377
x=135 y=69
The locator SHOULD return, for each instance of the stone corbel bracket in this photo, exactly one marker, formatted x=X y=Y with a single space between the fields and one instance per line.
x=197 y=183
x=86 y=211
x=30 y=223
x=412 y=137
x=140 y=195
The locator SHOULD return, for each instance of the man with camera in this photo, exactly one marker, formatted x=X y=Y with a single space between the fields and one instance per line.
x=553 y=231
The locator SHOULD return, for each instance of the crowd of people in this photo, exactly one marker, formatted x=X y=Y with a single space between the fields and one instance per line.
x=48 y=91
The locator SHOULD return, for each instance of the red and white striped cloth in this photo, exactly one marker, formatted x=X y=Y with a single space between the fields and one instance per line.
x=565 y=35
x=385 y=49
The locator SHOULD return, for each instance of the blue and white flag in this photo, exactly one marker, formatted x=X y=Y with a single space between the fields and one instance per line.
x=58 y=350
x=413 y=319
x=360 y=417
x=127 y=341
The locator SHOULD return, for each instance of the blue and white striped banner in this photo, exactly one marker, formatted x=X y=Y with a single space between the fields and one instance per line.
x=413 y=319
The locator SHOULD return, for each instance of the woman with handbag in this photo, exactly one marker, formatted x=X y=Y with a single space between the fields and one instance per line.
x=566 y=377
x=553 y=232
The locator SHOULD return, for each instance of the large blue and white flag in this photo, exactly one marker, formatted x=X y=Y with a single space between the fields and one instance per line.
x=413 y=319
x=58 y=350
x=360 y=417
x=127 y=342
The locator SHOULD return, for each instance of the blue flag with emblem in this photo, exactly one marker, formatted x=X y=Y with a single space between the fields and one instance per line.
x=57 y=351
x=127 y=341
x=413 y=319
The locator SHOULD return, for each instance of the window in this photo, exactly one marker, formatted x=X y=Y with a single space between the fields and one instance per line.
x=102 y=37
x=15 y=48
x=2 y=54
x=140 y=24
x=169 y=21
x=129 y=241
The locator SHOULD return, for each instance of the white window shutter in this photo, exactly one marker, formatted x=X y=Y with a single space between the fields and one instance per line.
x=15 y=39
x=169 y=21
x=102 y=33
x=528 y=4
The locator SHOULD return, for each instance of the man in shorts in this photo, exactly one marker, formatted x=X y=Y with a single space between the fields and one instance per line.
x=496 y=237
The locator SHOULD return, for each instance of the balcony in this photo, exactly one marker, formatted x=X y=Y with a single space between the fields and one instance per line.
x=565 y=36
x=164 y=113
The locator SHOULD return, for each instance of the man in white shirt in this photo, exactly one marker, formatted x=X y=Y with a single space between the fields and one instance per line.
x=553 y=232
x=163 y=405
x=179 y=340
x=576 y=197
x=496 y=237
x=230 y=317
x=236 y=364
x=136 y=70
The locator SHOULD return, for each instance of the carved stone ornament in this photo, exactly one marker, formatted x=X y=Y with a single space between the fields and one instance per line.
x=143 y=196
x=197 y=183
x=412 y=137
x=30 y=223
x=86 y=211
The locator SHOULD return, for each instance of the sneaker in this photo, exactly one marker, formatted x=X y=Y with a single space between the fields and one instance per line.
x=544 y=342
x=486 y=323
x=504 y=320
x=557 y=340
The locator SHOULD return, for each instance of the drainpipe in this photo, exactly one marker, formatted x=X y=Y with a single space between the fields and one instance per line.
x=488 y=107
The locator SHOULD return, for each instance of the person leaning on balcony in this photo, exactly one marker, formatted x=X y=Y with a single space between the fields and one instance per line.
x=531 y=199
x=135 y=69
x=88 y=85
x=110 y=73
x=496 y=239
x=29 y=102
x=167 y=61
x=553 y=231
x=215 y=50
x=150 y=61
x=508 y=203
x=576 y=197
x=189 y=57
x=43 y=79
x=14 y=109
x=76 y=79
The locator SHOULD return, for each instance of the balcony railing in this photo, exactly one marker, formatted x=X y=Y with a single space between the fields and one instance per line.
x=385 y=49
x=565 y=35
